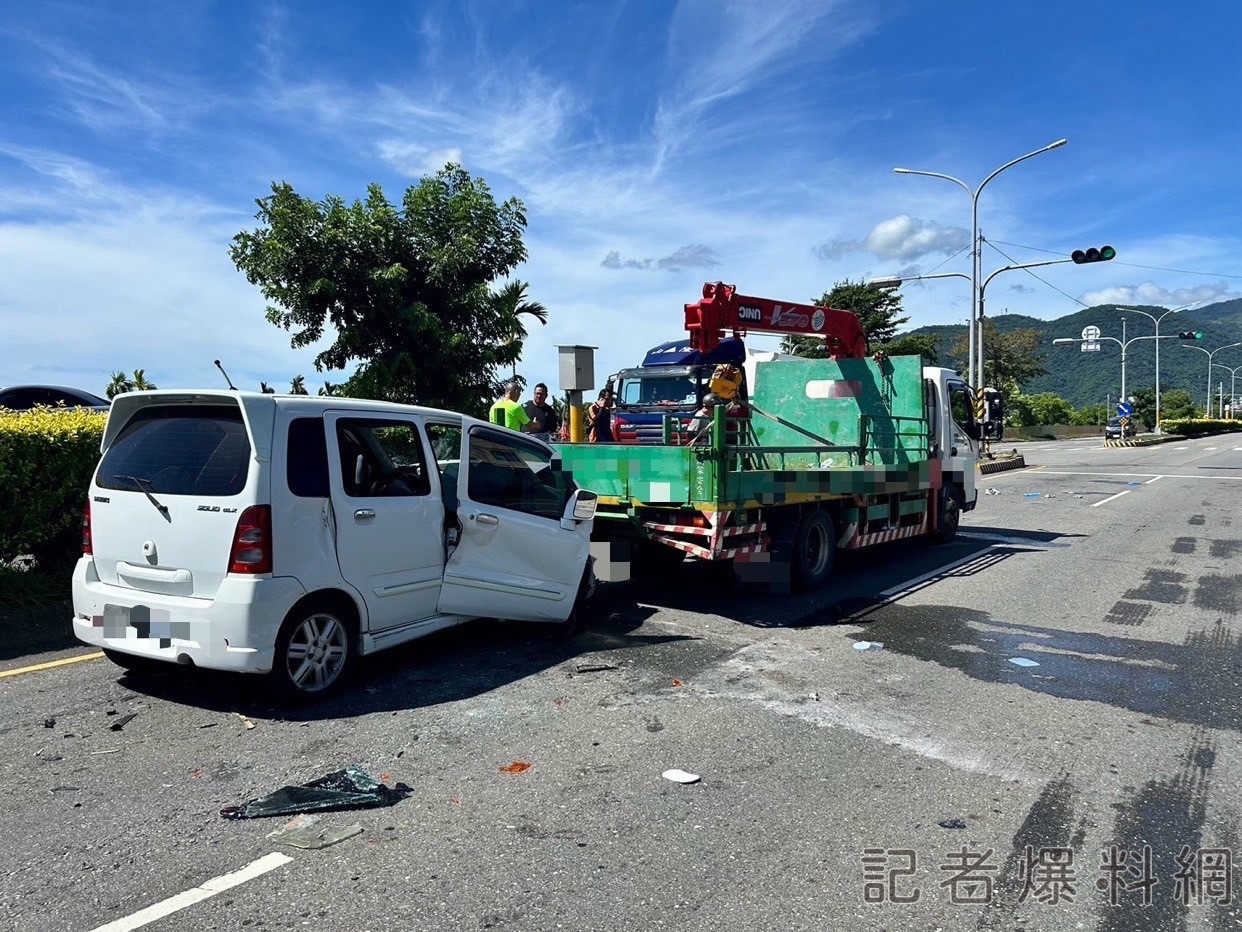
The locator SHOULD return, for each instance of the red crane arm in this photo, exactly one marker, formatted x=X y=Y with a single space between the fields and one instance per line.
x=722 y=308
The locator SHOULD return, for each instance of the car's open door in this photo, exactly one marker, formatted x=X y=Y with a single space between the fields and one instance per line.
x=521 y=552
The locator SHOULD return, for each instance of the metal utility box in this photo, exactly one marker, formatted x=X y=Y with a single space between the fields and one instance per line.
x=577 y=367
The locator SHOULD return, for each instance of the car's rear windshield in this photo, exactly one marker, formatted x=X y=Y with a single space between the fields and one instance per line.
x=179 y=450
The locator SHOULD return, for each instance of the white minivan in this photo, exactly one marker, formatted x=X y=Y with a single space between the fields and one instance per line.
x=289 y=534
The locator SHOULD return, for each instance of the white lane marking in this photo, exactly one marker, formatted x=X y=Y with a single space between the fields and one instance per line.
x=1156 y=479
x=1175 y=449
x=940 y=571
x=1125 y=475
x=1237 y=449
x=1105 y=501
x=197 y=895
x=1209 y=448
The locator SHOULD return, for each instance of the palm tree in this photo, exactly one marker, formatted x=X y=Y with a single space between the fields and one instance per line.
x=298 y=386
x=140 y=383
x=119 y=385
x=511 y=304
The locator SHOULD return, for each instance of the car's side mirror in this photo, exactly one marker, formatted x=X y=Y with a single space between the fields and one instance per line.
x=580 y=507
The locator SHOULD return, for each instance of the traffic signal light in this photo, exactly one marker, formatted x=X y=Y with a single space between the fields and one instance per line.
x=1103 y=254
x=1190 y=335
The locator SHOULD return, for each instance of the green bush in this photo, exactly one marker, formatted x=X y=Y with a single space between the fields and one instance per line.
x=1199 y=427
x=47 y=457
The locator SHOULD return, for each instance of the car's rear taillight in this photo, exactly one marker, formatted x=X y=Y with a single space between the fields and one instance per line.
x=252 y=541
x=87 y=546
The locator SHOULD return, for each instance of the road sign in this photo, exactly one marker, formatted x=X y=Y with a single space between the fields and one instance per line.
x=1090 y=337
x=1124 y=408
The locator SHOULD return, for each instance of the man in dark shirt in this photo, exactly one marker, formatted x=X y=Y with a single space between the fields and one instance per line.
x=543 y=420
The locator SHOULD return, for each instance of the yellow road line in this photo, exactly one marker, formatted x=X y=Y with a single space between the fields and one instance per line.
x=50 y=664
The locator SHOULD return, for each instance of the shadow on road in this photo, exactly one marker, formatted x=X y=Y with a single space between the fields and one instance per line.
x=449 y=666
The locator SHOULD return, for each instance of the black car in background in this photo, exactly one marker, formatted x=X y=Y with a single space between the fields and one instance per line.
x=1114 y=430
x=25 y=397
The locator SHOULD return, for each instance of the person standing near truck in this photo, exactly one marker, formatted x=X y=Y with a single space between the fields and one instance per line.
x=543 y=420
x=599 y=418
x=507 y=412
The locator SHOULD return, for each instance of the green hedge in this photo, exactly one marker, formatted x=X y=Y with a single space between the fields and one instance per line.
x=1198 y=427
x=47 y=458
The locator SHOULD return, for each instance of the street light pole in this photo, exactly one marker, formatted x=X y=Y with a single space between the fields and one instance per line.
x=1233 y=388
x=1125 y=345
x=1156 y=320
x=1210 y=353
x=974 y=236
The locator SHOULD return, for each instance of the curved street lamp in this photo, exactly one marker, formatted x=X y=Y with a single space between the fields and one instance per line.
x=1210 y=353
x=974 y=234
x=1137 y=310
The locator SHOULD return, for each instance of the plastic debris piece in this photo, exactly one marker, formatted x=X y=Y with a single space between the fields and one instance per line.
x=112 y=712
x=868 y=645
x=595 y=667
x=49 y=723
x=57 y=790
x=676 y=682
x=245 y=721
x=108 y=751
x=1023 y=662
x=992 y=491
x=351 y=788
x=815 y=697
x=48 y=758
x=680 y=776
x=1134 y=483
x=123 y=721
x=1046 y=495
x=1031 y=495
x=311 y=837
x=951 y=823
x=209 y=725
x=518 y=766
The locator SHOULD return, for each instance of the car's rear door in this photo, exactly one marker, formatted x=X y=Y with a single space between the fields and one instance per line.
x=389 y=521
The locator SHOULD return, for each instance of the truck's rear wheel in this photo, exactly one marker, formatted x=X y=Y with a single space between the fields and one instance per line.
x=814 y=551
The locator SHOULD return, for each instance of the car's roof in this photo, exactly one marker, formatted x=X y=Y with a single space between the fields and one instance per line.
x=67 y=389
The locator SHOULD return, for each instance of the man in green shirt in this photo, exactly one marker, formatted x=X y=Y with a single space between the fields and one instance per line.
x=507 y=412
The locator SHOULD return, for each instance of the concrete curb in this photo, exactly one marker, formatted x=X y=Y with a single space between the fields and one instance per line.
x=1012 y=462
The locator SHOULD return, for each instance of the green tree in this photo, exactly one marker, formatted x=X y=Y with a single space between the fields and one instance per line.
x=1145 y=408
x=266 y=389
x=511 y=303
x=298 y=386
x=1043 y=408
x=1011 y=359
x=1177 y=404
x=119 y=385
x=140 y=383
x=913 y=345
x=1095 y=415
x=404 y=288
x=878 y=313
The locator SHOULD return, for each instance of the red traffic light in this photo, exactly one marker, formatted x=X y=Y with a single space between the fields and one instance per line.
x=1103 y=254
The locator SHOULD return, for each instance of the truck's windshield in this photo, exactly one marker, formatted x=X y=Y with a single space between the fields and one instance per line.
x=658 y=390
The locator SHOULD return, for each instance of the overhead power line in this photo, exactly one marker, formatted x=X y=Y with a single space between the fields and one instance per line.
x=1133 y=265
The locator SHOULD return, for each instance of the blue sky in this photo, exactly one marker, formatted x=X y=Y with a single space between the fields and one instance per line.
x=657 y=145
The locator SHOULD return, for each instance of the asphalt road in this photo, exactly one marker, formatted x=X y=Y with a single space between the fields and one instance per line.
x=1116 y=571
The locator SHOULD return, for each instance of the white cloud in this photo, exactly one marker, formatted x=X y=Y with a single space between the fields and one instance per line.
x=694 y=256
x=905 y=237
x=900 y=237
x=1149 y=294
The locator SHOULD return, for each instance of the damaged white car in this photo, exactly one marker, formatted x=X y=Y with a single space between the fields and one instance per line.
x=288 y=535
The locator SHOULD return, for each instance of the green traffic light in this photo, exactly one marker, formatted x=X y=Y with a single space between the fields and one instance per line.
x=1107 y=252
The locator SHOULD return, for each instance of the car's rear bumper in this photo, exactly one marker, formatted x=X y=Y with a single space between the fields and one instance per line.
x=236 y=630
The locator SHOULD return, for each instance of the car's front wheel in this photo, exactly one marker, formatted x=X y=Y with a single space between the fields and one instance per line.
x=315 y=650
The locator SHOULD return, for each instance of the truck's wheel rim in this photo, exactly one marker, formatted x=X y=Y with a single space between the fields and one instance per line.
x=316 y=653
x=816 y=549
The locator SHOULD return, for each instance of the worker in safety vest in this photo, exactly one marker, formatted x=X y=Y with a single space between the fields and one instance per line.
x=507 y=412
